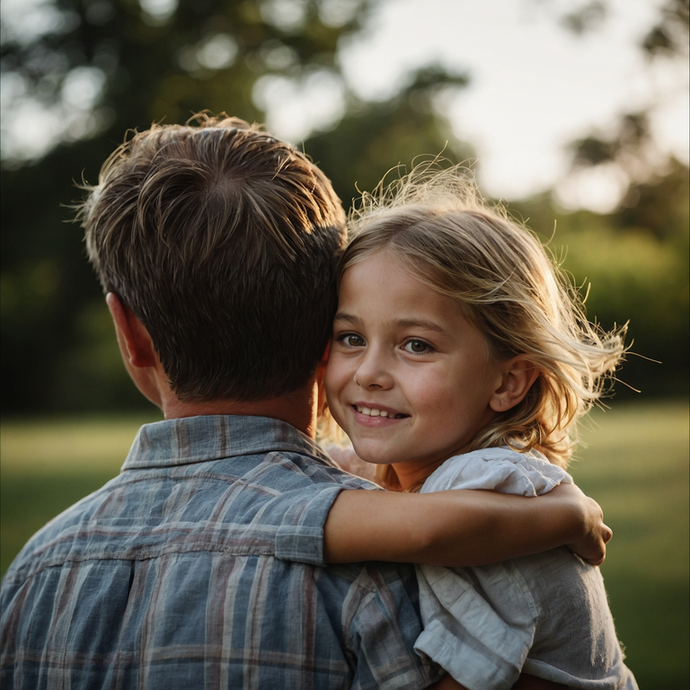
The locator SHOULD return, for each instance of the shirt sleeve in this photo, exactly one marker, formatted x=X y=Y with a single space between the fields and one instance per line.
x=381 y=619
x=464 y=632
x=300 y=534
x=466 y=636
x=498 y=469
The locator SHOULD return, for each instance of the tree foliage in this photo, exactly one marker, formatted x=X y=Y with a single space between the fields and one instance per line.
x=633 y=267
x=636 y=259
x=375 y=138
x=631 y=145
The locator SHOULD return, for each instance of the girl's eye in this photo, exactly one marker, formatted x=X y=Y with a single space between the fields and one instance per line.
x=417 y=347
x=351 y=340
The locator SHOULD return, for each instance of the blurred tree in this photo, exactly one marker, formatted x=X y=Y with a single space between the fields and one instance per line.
x=669 y=35
x=633 y=265
x=108 y=65
x=375 y=138
x=631 y=145
x=637 y=257
x=660 y=205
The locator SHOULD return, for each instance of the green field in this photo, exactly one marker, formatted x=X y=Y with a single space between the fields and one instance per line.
x=635 y=465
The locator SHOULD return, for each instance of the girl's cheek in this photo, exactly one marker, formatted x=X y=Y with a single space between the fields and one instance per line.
x=330 y=394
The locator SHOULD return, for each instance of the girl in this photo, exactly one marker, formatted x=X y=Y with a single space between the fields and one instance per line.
x=461 y=358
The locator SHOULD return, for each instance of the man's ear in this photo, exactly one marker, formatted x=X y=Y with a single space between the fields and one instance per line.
x=135 y=341
x=518 y=377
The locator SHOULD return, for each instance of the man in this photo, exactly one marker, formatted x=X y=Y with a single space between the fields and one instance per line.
x=202 y=564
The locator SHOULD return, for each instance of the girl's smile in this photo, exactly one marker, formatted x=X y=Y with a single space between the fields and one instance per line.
x=409 y=378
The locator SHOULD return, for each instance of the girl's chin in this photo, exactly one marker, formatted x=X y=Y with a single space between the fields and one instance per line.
x=373 y=457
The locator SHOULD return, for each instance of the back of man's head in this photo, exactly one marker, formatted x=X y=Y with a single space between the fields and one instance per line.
x=223 y=241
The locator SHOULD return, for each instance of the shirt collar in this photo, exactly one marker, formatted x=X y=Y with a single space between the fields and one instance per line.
x=200 y=439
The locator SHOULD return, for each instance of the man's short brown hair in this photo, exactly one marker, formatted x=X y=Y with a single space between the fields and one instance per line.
x=223 y=241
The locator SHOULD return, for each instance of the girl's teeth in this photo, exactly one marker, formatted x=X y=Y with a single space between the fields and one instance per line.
x=373 y=412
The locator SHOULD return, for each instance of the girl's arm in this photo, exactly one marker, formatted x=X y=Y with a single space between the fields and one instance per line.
x=462 y=528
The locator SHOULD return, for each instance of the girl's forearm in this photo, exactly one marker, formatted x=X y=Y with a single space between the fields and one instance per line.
x=460 y=528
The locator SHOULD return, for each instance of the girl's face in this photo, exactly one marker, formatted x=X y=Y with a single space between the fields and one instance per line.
x=409 y=379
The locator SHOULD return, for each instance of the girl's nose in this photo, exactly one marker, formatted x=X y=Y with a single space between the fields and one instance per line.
x=372 y=372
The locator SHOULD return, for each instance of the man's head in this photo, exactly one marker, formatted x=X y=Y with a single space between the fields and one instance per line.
x=223 y=242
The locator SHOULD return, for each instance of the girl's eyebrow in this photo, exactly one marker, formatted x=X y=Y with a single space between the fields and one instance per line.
x=401 y=323
x=343 y=316
x=421 y=323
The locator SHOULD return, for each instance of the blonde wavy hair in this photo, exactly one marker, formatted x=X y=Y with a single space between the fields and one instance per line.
x=507 y=285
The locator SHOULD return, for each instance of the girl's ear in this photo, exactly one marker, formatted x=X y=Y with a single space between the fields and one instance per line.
x=518 y=377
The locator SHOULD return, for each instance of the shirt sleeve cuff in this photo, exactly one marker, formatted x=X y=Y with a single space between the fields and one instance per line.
x=468 y=666
x=300 y=536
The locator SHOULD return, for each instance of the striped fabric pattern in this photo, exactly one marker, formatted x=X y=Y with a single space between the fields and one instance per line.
x=201 y=566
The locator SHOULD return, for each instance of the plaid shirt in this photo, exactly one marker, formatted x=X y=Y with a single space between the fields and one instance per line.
x=200 y=566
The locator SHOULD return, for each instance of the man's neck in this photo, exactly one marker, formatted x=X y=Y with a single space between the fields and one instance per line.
x=297 y=408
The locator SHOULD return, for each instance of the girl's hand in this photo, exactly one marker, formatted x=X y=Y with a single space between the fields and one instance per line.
x=348 y=460
x=591 y=546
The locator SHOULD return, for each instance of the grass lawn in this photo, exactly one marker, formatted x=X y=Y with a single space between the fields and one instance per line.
x=48 y=465
x=635 y=464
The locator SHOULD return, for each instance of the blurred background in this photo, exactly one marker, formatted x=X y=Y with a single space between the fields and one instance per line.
x=574 y=113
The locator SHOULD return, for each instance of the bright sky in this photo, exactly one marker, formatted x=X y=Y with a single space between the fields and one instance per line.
x=534 y=87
